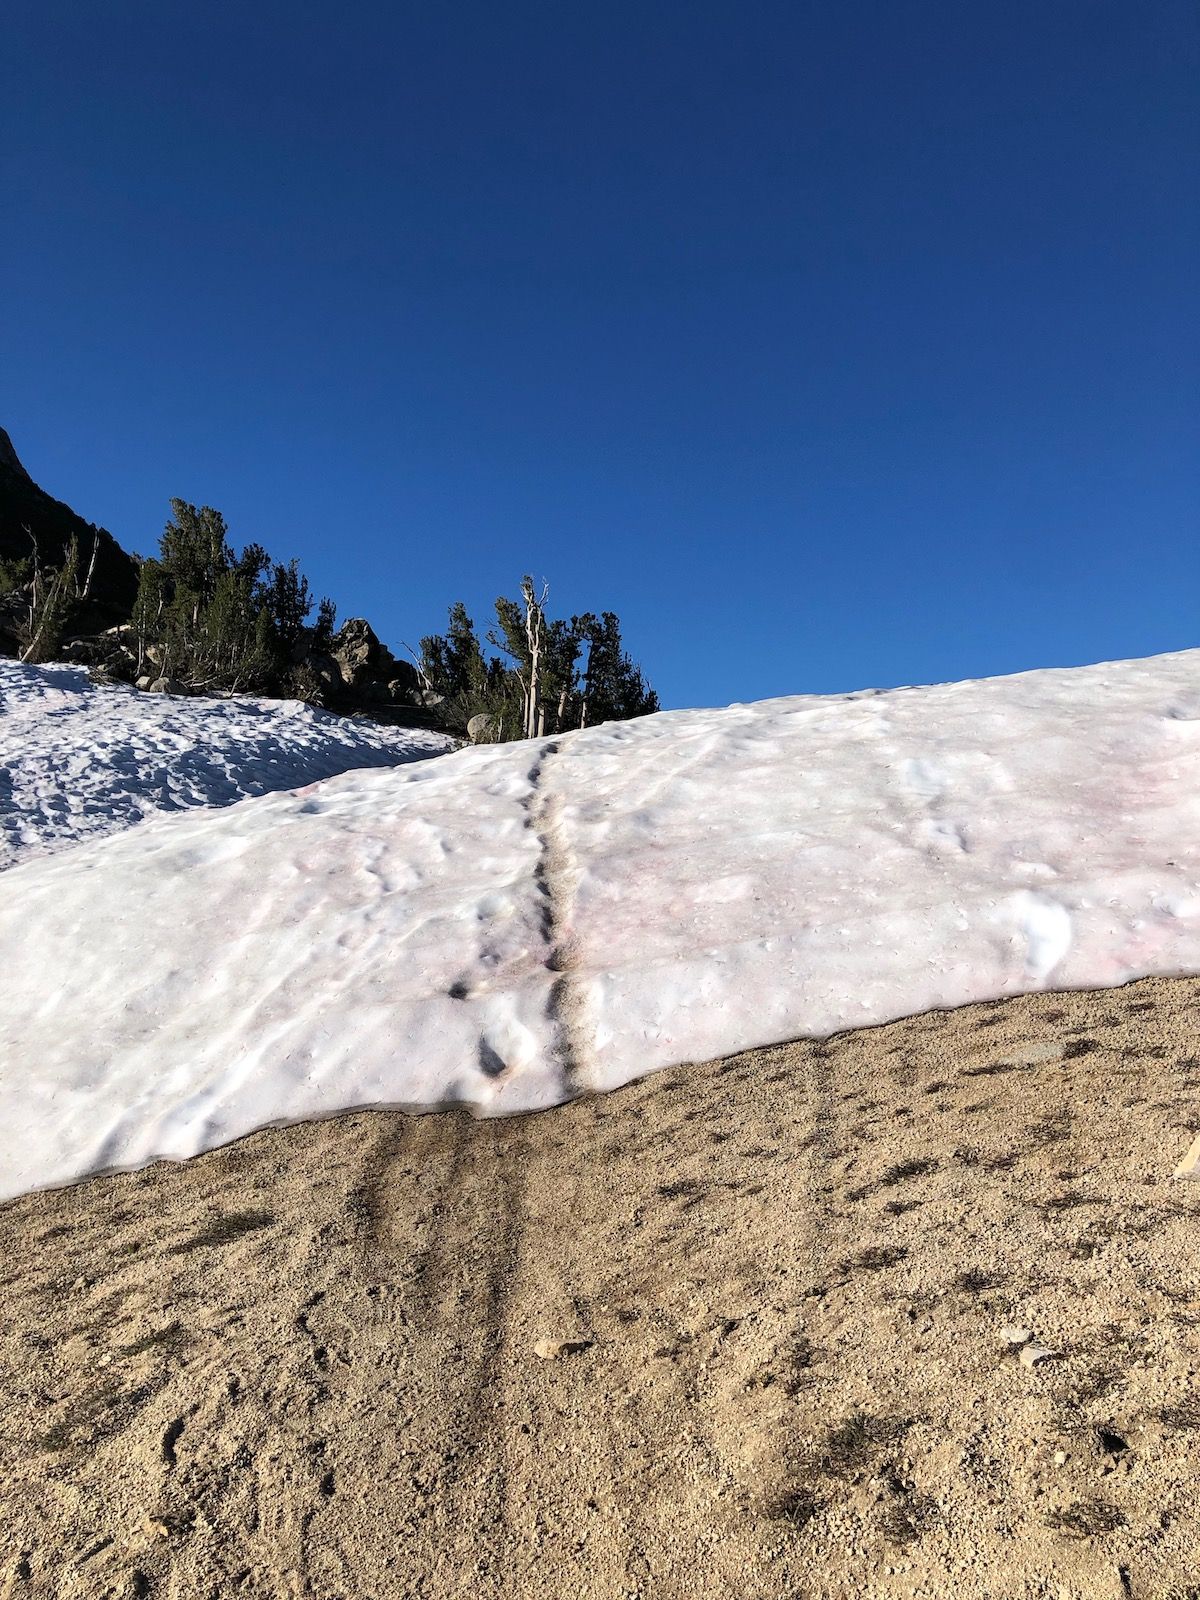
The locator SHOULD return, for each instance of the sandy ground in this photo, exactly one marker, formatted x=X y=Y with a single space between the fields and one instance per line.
x=314 y=1364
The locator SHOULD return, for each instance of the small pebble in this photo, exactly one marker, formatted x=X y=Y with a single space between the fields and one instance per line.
x=551 y=1349
x=1031 y=1354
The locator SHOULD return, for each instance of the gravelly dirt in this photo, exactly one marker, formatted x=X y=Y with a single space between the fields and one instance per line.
x=304 y=1365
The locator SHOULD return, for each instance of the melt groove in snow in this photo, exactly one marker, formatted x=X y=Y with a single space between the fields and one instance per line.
x=556 y=876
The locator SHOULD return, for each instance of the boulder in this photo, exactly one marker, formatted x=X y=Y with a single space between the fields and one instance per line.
x=90 y=652
x=107 y=657
x=482 y=729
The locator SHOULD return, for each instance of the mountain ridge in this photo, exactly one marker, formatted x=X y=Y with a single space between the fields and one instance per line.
x=33 y=522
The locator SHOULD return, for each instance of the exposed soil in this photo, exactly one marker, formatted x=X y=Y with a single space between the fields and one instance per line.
x=732 y=1331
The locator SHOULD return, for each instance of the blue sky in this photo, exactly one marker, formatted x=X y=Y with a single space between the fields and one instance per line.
x=829 y=344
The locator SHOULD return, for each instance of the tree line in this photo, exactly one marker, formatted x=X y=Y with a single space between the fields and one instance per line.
x=545 y=675
x=208 y=618
x=222 y=622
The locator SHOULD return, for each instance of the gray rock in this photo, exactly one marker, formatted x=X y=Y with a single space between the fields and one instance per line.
x=1032 y=1354
x=92 y=650
x=482 y=729
x=359 y=654
x=87 y=651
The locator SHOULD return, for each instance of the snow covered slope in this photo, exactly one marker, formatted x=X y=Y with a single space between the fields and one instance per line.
x=78 y=759
x=511 y=925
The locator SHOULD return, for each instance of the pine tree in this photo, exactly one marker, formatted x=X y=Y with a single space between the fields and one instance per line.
x=216 y=619
x=288 y=600
x=453 y=662
x=194 y=551
x=613 y=688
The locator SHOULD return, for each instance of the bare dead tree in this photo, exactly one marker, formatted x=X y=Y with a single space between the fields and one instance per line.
x=535 y=634
x=37 y=575
x=525 y=700
x=426 y=680
x=49 y=596
x=82 y=594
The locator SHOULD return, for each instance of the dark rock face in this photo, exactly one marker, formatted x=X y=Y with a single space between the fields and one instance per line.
x=9 y=460
x=405 y=680
x=23 y=505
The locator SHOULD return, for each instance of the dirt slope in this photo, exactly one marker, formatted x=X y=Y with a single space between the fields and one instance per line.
x=307 y=1365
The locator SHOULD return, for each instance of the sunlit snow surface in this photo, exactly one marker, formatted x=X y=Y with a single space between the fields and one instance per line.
x=78 y=760
x=511 y=925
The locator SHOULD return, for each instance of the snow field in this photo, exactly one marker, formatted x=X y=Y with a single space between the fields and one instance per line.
x=514 y=924
x=78 y=759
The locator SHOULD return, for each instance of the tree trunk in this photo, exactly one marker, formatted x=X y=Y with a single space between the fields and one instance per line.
x=534 y=629
x=87 y=583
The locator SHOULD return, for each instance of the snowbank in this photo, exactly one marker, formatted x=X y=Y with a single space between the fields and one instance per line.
x=512 y=925
x=78 y=759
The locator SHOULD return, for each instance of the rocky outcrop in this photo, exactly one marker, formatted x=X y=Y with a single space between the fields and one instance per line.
x=360 y=670
x=369 y=668
x=359 y=656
